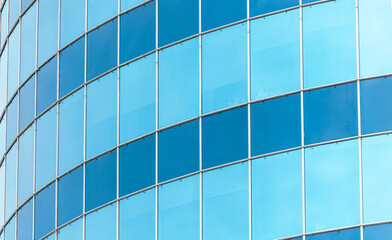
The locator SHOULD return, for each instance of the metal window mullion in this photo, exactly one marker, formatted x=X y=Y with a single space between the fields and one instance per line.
x=85 y=120
x=156 y=115
x=200 y=129
x=118 y=122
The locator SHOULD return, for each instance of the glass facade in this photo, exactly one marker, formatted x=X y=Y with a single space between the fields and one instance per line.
x=196 y=119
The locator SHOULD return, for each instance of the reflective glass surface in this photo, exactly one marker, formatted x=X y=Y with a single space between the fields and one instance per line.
x=12 y=121
x=26 y=165
x=258 y=7
x=72 y=231
x=2 y=137
x=44 y=217
x=14 y=11
x=10 y=181
x=2 y=188
x=101 y=224
x=9 y=230
x=100 y=10
x=47 y=85
x=3 y=78
x=377 y=232
x=72 y=20
x=25 y=221
x=216 y=13
x=4 y=22
x=47 y=29
x=127 y=4
x=13 y=62
x=28 y=43
x=26 y=103
x=349 y=234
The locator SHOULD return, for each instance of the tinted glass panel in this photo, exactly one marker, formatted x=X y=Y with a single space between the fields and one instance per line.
x=72 y=20
x=10 y=230
x=14 y=12
x=10 y=181
x=13 y=62
x=25 y=4
x=330 y=113
x=47 y=85
x=100 y=10
x=127 y=4
x=215 y=13
x=4 y=23
x=47 y=29
x=44 y=211
x=2 y=188
x=71 y=67
x=2 y=137
x=137 y=165
x=332 y=186
x=12 y=121
x=28 y=43
x=350 y=234
x=3 y=78
x=224 y=76
x=137 y=39
x=26 y=165
x=72 y=231
x=101 y=224
x=26 y=103
x=219 y=135
x=377 y=232
x=179 y=82
x=101 y=180
x=258 y=7
x=25 y=221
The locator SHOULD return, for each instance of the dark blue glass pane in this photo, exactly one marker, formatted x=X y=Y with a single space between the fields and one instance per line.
x=178 y=152
x=71 y=67
x=309 y=1
x=102 y=49
x=222 y=132
x=137 y=32
x=46 y=85
x=216 y=13
x=258 y=7
x=25 y=221
x=44 y=211
x=276 y=124
x=12 y=120
x=349 y=234
x=378 y=232
x=137 y=165
x=330 y=113
x=178 y=19
x=25 y=4
x=70 y=196
x=376 y=105
x=101 y=180
x=26 y=103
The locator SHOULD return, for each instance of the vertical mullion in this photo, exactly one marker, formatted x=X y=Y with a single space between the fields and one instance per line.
x=156 y=115
x=85 y=119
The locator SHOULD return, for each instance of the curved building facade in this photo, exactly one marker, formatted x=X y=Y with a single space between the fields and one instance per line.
x=195 y=119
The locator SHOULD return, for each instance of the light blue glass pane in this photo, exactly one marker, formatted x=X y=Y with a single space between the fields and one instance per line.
x=51 y=237
x=137 y=98
x=72 y=231
x=26 y=103
x=277 y=195
x=3 y=78
x=47 y=85
x=178 y=83
x=10 y=181
x=225 y=203
x=127 y=4
x=377 y=169
x=329 y=43
x=13 y=62
x=377 y=232
x=101 y=224
x=28 y=43
x=275 y=55
x=137 y=216
x=47 y=29
x=72 y=20
x=258 y=7
x=45 y=166
x=25 y=221
x=25 y=4
x=102 y=114
x=2 y=188
x=44 y=218
x=179 y=209
x=216 y=13
x=2 y=136
x=375 y=36
x=347 y=234
x=224 y=64
x=71 y=131
x=12 y=121
x=4 y=23
x=26 y=165
x=14 y=12
x=332 y=186
x=100 y=10
x=9 y=231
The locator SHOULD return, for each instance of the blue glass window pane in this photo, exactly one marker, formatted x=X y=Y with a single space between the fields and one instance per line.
x=12 y=121
x=137 y=98
x=277 y=196
x=275 y=55
x=375 y=36
x=3 y=78
x=330 y=113
x=72 y=231
x=71 y=131
x=178 y=19
x=137 y=216
x=28 y=43
x=50 y=237
x=101 y=224
x=101 y=114
x=216 y=13
x=72 y=20
x=376 y=105
x=102 y=49
x=225 y=203
x=9 y=230
x=178 y=83
x=14 y=11
x=44 y=218
x=2 y=188
x=329 y=40
x=219 y=135
x=10 y=181
x=25 y=4
x=71 y=67
x=276 y=124
x=178 y=216
x=332 y=186
x=25 y=221
x=47 y=29
x=45 y=165
x=26 y=165
x=178 y=152
x=349 y=234
x=137 y=39
x=101 y=180
x=4 y=22
x=70 y=196
x=2 y=137
x=100 y=10
x=309 y=1
x=224 y=64
x=47 y=85
x=26 y=103
x=127 y=4
x=377 y=232
x=137 y=165
x=259 y=7
x=13 y=62
x=376 y=170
